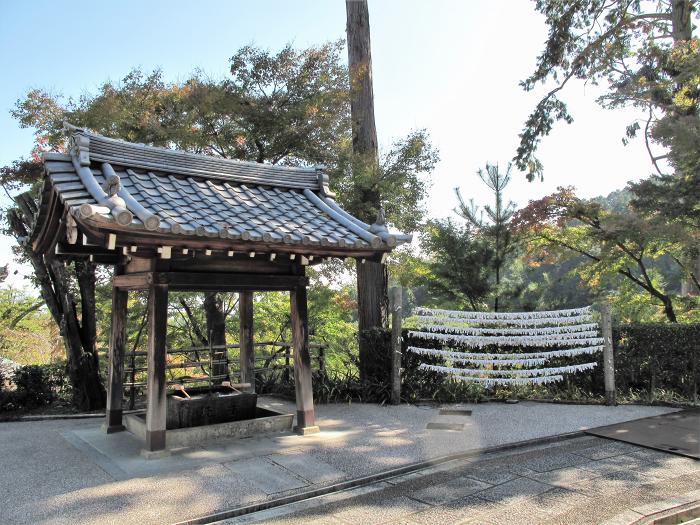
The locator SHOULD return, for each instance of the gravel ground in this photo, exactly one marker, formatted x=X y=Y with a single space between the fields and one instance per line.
x=68 y=472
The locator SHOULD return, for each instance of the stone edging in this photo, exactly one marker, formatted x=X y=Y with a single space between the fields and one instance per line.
x=658 y=512
x=357 y=484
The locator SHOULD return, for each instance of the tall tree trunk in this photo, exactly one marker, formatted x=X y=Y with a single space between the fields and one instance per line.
x=79 y=334
x=372 y=278
x=681 y=22
x=216 y=329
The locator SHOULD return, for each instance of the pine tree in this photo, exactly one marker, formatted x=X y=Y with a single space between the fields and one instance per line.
x=495 y=227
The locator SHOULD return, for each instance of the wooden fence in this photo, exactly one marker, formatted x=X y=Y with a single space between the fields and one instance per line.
x=279 y=357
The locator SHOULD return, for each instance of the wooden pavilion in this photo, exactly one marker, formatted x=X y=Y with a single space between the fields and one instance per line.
x=170 y=220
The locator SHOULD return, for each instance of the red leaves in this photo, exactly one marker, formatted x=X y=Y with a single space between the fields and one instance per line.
x=552 y=210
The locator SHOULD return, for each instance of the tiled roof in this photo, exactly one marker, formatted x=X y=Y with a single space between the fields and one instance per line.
x=116 y=185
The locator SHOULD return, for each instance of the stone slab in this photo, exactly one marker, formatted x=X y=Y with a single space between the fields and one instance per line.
x=389 y=510
x=455 y=412
x=678 y=433
x=308 y=467
x=266 y=475
x=514 y=490
x=454 y=489
x=445 y=426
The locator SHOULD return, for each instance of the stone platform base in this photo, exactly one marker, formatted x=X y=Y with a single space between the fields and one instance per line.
x=305 y=431
x=265 y=422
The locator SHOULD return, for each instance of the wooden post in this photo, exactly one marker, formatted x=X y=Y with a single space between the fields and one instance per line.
x=117 y=348
x=156 y=383
x=322 y=359
x=306 y=423
x=396 y=308
x=608 y=358
x=287 y=355
x=247 y=355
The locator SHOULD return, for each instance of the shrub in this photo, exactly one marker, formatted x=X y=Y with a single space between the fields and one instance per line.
x=59 y=382
x=379 y=358
x=33 y=386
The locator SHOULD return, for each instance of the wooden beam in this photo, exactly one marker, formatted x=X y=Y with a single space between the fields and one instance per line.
x=81 y=250
x=215 y=282
x=247 y=346
x=306 y=421
x=150 y=241
x=238 y=263
x=117 y=347
x=134 y=281
x=115 y=258
x=156 y=383
x=232 y=282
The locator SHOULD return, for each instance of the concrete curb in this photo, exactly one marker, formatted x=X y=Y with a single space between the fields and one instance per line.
x=60 y=417
x=359 y=483
x=686 y=507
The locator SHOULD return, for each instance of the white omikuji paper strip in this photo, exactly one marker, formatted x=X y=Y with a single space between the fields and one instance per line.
x=474 y=359
x=493 y=381
x=503 y=315
x=445 y=330
x=566 y=329
x=539 y=321
x=505 y=359
x=477 y=341
x=531 y=372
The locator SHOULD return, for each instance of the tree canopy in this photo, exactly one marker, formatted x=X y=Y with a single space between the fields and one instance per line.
x=289 y=107
x=643 y=52
x=609 y=242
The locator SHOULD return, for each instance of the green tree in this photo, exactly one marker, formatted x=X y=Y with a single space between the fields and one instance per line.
x=644 y=51
x=27 y=332
x=646 y=55
x=290 y=107
x=611 y=243
x=495 y=227
x=67 y=290
x=460 y=260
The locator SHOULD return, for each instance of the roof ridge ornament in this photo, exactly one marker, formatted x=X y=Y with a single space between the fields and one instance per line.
x=79 y=143
x=112 y=187
x=379 y=224
x=324 y=181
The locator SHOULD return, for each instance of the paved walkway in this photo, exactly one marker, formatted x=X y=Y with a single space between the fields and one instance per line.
x=585 y=480
x=678 y=432
x=70 y=472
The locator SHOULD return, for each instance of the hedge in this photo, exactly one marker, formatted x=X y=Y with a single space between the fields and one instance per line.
x=658 y=356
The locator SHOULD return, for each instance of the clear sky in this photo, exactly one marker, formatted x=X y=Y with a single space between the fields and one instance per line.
x=450 y=66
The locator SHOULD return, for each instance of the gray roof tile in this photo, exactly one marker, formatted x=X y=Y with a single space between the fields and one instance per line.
x=204 y=195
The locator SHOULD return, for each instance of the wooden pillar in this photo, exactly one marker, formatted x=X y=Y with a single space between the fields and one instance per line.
x=156 y=382
x=117 y=347
x=395 y=305
x=247 y=355
x=306 y=422
x=608 y=358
